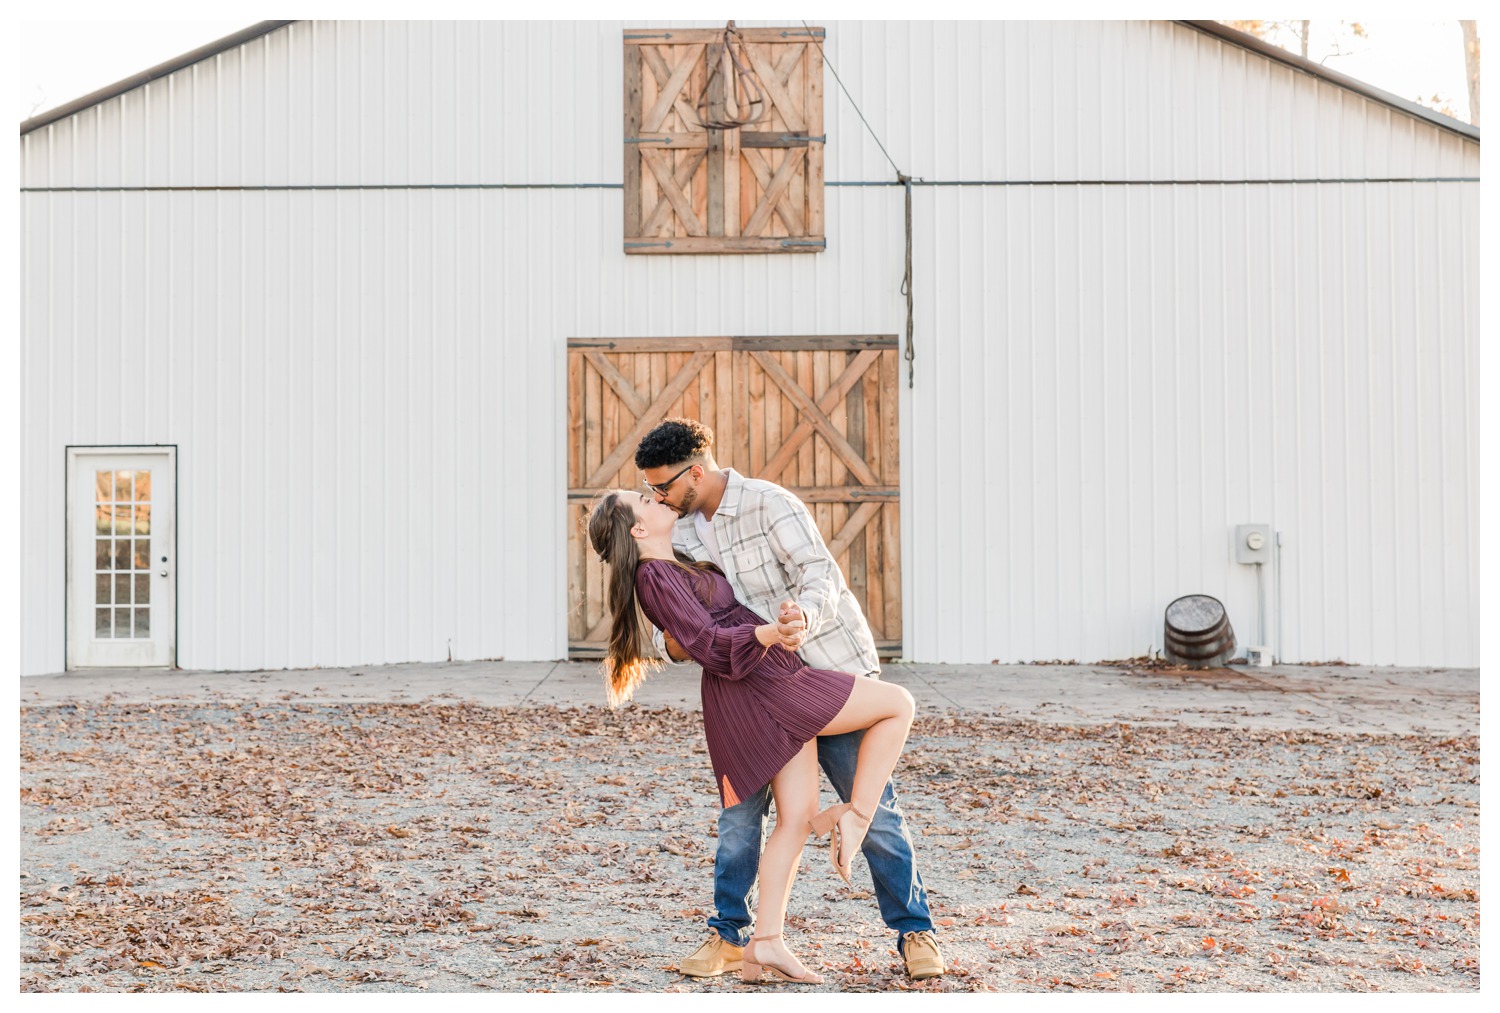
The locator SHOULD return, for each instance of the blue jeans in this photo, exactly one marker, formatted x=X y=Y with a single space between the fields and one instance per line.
x=887 y=847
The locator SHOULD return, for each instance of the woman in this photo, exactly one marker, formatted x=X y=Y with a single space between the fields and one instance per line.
x=762 y=707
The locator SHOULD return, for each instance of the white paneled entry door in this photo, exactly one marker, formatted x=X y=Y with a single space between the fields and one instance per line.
x=122 y=566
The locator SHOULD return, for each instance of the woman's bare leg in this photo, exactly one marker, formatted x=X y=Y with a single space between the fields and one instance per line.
x=795 y=788
x=885 y=711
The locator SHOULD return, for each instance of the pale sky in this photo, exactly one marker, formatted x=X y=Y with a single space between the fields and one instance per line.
x=63 y=60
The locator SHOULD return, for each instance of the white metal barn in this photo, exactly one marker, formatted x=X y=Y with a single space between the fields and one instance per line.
x=328 y=329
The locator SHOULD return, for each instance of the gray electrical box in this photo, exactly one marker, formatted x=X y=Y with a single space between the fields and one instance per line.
x=1252 y=543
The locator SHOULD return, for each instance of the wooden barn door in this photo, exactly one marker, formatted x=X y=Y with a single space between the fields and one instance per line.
x=816 y=415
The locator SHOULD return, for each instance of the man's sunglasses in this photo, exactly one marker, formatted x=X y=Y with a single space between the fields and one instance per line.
x=662 y=489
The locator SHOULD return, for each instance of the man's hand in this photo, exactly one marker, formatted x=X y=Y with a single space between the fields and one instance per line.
x=674 y=649
x=791 y=627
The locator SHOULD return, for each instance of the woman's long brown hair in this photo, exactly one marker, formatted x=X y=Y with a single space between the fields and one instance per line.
x=630 y=655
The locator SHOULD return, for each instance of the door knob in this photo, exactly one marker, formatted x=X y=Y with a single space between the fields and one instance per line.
x=164 y=573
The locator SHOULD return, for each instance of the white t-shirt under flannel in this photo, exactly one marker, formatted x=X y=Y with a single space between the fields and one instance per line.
x=704 y=529
x=770 y=550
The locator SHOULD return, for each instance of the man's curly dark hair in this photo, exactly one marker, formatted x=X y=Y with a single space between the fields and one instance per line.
x=672 y=442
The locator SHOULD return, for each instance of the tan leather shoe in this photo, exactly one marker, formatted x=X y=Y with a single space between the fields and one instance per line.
x=713 y=958
x=922 y=957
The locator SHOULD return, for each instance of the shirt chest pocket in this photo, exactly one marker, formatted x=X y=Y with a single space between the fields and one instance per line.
x=759 y=573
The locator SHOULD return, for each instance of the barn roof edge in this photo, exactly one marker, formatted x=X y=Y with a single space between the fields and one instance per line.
x=1213 y=28
x=1259 y=46
x=173 y=65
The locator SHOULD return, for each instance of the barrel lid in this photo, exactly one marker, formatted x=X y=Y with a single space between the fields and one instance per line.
x=1195 y=613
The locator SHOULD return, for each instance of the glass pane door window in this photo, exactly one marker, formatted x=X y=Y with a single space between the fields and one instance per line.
x=122 y=554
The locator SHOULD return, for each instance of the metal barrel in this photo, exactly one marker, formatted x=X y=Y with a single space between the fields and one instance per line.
x=1197 y=632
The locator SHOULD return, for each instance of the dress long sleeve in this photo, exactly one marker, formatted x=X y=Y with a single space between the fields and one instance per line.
x=669 y=600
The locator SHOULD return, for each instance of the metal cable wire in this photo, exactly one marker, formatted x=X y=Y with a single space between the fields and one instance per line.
x=855 y=104
x=905 y=181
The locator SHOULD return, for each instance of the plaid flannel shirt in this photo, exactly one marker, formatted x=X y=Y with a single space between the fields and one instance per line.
x=772 y=551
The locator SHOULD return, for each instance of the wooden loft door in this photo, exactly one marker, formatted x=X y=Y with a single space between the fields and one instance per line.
x=814 y=414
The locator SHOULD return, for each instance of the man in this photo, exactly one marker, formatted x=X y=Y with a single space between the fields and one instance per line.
x=765 y=541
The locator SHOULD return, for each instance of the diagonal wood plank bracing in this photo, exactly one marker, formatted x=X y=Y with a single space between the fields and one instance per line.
x=821 y=422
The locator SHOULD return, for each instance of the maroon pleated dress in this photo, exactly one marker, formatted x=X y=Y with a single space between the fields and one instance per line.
x=759 y=705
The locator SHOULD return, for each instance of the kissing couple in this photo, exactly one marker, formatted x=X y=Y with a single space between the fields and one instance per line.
x=699 y=559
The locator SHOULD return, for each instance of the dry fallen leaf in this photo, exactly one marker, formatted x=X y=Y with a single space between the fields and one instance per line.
x=449 y=846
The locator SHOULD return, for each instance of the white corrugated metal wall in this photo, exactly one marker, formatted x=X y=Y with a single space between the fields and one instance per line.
x=366 y=390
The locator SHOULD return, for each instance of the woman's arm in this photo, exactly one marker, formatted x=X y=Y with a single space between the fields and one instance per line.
x=667 y=647
x=670 y=601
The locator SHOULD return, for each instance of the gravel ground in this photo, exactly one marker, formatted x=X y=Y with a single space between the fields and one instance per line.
x=297 y=846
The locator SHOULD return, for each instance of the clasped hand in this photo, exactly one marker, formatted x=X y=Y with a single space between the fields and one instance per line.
x=789 y=630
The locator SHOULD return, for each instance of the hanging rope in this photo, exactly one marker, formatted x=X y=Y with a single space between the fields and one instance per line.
x=911 y=353
x=741 y=87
